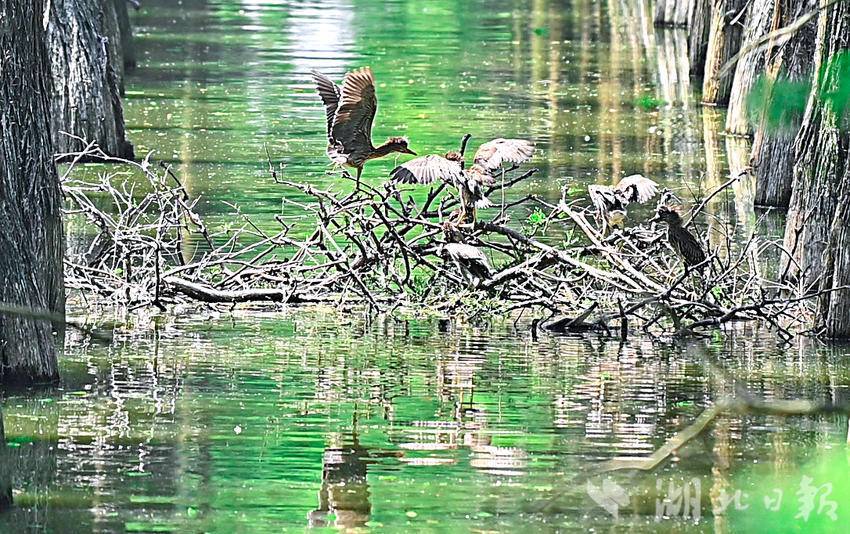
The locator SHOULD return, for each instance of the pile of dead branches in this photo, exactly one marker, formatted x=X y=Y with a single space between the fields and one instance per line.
x=378 y=249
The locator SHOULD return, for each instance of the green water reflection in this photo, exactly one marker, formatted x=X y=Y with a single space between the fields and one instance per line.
x=268 y=422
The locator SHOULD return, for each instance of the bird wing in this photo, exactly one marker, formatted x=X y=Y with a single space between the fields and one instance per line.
x=352 y=123
x=329 y=92
x=602 y=197
x=469 y=255
x=637 y=188
x=426 y=169
x=493 y=154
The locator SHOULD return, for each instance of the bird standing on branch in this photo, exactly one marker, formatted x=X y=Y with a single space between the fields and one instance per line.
x=470 y=261
x=350 y=111
x=611 y=201
x=469 y=182
x=683 y=242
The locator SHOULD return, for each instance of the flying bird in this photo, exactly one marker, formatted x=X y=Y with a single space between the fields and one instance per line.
x=470 y=182
x=469 y=260
x=611 y=201
x=350 y=111
x=683 y=242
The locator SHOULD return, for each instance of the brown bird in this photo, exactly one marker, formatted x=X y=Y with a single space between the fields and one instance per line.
x=469 y=260
x=350 y=112
x=683 y=242
x=469 y=182
x=611 y=201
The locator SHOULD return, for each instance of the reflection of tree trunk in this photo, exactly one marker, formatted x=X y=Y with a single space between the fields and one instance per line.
x=86 y=68
x=738 y=156
x=724 y=41
x=31 y=240
x=720 y=472
x=773 y=154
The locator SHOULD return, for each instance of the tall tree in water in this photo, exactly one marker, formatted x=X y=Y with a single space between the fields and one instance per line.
x=31 y=239
x=817 y=231
x=85 y=54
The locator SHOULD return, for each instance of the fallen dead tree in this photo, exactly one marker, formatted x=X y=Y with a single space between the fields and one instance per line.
x=379 y=249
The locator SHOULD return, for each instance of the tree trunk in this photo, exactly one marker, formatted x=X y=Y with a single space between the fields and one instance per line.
x=32 y=240
x=128 y=49
x=820 y=171
x=5 y=469
x=87 y=84
x=825 y=161
x=760 y=20
x=724 y=41
x=673 y=12
x=698 y=26
x=773 y=155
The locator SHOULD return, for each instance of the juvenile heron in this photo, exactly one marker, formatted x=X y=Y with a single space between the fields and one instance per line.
x=350 y=111
x=469 y=260
x=469 y=182
x=683 y=242
x=611 y=201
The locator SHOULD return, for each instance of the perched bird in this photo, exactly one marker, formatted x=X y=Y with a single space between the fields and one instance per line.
x=470 y=261
x=611 y=201
x=350 y=111
x=469 y=182
x=683 y=242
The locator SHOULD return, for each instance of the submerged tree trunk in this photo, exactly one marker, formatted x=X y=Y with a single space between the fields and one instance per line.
x=31 y=240
x=814 y=233
x=773 y=155
x=85 y=64
x=698 y=26
x=128 y=49
x=760 y=20
x=825 y=162
x=5 y=470
x=724 y=41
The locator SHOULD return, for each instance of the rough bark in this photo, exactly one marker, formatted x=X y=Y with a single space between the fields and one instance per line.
x=829 y=170
x=86 y=100
x=760 y=20
x=673 y=12
x=773 y=155
x=724 y=41
x=698 y=26
x=5 y=472
x=31 y=243
x=820 y=172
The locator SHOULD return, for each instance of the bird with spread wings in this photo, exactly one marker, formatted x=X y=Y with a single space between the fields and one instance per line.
x=611 y=201
x=470 y=182
x=350 y=111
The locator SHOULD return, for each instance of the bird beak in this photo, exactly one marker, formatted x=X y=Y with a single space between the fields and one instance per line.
x=408 y=151
x=654 y=219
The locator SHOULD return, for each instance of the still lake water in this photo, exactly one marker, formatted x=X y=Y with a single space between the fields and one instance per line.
x=286 y=420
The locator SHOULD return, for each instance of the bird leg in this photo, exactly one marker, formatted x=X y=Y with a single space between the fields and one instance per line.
x=357 y=184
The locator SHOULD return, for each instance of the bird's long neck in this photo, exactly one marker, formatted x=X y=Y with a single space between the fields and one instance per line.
x=383 y=150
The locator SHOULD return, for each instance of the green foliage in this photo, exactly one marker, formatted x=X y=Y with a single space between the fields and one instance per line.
x=541 y=32
x=649 y=102
x=537 y=217
x=782 y=102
